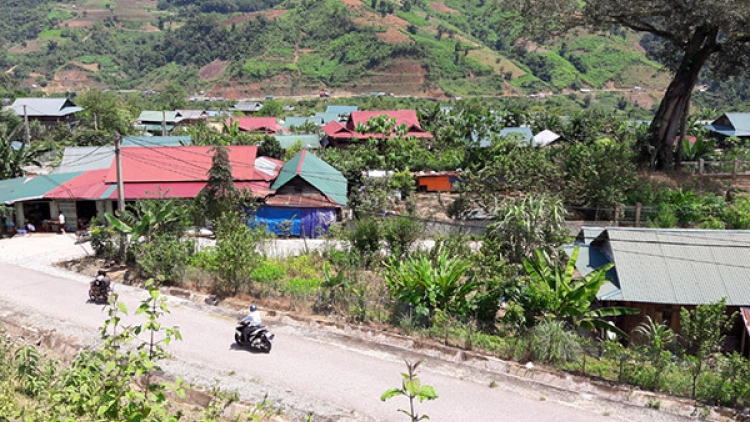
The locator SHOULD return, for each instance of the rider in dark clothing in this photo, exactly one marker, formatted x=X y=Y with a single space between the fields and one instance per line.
x=100 y=285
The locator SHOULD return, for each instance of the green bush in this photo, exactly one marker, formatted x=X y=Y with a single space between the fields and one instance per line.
x=301 y=287
x=164 y=258
x=268 y=272
x=365 y=239
x=550 y=342
x=400 y=234
x=206 y=259
x=105 y=240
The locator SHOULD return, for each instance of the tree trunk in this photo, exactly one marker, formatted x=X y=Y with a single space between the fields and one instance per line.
x=668 y=119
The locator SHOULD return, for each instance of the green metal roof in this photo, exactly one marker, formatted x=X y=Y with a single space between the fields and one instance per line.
x=35 y=187
x=7 y=187
x=309 y=141
x=678 y=266
x=316 y=172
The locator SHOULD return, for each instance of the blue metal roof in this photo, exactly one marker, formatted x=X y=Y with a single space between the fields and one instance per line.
x=308 y=140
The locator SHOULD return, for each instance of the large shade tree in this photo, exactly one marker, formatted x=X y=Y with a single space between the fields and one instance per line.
x=696 y=34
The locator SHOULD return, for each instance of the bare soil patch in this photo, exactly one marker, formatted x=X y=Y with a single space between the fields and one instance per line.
x=393 y=36
x=213 y=70
x=91 y=67
x=270 y=14
x=71 y=78
x=31 y=46
x=442 y=8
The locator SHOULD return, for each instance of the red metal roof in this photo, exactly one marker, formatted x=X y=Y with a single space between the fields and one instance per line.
x=90 y=185
x=267 y=125
x=182 y=164
x=160 y=190
x=403 y=117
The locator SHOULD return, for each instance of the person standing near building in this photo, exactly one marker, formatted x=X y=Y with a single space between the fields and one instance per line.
x=61 y=220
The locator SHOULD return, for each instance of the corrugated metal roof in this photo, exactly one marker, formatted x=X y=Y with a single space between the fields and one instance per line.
x=36 y=187
x=298 y=121
x=341 y=109
x=524 y=134
x=40 y=107
x=731 y=124
x=77 y=159
x=89 y=185
x=316 y=172
x=309 y=141
x=155 y=141
x=152 y=116
x=679 y=266
x=546 y=137
x=7 y=187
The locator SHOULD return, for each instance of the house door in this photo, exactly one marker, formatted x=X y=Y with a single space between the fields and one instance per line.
x=85 y=210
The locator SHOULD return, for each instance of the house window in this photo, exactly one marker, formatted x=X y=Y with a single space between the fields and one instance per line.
x=666 y=317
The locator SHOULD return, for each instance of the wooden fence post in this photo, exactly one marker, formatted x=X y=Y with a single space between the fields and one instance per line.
x=638 y=207
x=617 y=215
x=701 y=166
x=735 y=165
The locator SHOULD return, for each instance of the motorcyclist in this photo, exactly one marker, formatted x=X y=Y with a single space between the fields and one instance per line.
x=251 y=322
x=100 y=285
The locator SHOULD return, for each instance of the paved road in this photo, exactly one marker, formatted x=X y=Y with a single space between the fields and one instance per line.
x=342 y=381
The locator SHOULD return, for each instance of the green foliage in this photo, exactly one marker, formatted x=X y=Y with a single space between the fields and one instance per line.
x=219 y=195
x=104 y=240
x=411 y=388
x=400 y=234
x=365 y=239
x=524 y=225
x=235 y=252
x=422 y=283
x=550 y=342
x=268 y=272
x=164 y=258
x=554 y=293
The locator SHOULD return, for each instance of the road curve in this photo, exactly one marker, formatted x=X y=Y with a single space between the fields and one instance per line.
x=303 y=369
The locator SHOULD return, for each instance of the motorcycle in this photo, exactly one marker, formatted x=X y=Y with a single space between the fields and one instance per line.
x=99 y=292
x=258 y=337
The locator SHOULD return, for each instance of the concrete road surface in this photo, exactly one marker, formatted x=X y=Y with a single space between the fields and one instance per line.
x=308 y=370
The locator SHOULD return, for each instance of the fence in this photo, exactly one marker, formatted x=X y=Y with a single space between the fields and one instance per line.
x=731 y=168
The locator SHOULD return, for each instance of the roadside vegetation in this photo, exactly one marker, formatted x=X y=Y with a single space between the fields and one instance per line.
x=508 y=290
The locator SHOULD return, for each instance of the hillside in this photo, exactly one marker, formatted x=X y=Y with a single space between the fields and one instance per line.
x=247 y=48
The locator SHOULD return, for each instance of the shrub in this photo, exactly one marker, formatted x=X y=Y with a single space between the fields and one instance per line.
x=268 y=272
x=549 y=342
x=400 y=233
x=164 y=258
x=301 y=287
x=365 y=239
x=104 y=240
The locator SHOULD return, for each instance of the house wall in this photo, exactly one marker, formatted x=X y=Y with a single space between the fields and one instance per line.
x=435 y=183
x=670 y=315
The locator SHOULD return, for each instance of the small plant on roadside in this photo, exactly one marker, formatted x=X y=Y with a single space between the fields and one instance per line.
x=412 y=388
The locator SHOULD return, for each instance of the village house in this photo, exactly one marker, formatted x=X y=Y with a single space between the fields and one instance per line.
x=339 y=135
x=256 y=125
x=148 y=173
x=157 y=122
x=660 y=271
x=308 y=198
x=47 y=111
x=248 y=107
x=730 y=125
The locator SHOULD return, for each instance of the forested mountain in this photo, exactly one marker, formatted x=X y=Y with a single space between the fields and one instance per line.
x=241 y=48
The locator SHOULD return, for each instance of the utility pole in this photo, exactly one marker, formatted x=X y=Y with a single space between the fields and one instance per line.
x=96 y=124
x=163 y=123
x=120 y=193
x=26 y=125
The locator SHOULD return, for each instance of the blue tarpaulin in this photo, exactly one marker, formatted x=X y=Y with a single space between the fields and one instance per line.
x=283 y=221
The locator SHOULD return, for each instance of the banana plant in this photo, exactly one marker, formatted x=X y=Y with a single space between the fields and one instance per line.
x=572 y=299
x=149 y=218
